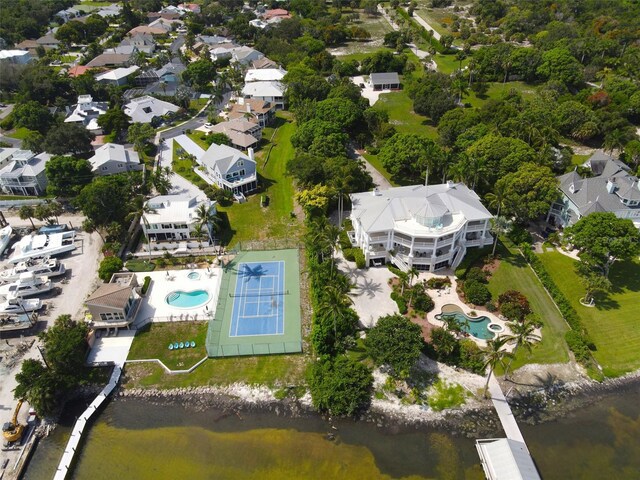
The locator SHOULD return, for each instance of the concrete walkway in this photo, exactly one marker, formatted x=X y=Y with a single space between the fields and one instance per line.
x=508 y=421
x=180 y=184
x=189 y=146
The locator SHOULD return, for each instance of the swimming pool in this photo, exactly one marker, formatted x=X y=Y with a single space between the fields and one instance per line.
x=193 y=299
x=476 y=326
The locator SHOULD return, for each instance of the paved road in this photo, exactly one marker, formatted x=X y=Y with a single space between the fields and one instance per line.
x=426 y=26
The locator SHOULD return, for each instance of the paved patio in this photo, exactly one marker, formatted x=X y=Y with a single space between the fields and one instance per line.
x=111 y=350
x=167 y=281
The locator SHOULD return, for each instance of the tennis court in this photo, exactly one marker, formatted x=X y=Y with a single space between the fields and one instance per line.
x=258 y=309
x=258 y=306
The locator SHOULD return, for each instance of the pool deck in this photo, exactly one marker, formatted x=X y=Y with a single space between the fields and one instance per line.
x=166 y=281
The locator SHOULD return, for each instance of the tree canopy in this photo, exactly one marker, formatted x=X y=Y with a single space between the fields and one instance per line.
x=66 y=176
x=407 y=155
x=68 y=138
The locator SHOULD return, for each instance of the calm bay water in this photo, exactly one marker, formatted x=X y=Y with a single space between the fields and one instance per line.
x=132 y=439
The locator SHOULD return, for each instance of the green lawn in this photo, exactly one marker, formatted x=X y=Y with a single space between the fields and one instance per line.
x=195 y=136
x=20 y=133
x=154 y=339
x=578 y=160
x=448 y=63
x=377 y=164
x=140 y=265
x=514 y=274
x=401 y=115
x=613 y=324
x=435 y=18
x=497 y=90
x=271 y=370
x=250 y=221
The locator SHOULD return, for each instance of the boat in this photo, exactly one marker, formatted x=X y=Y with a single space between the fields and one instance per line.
x=17 y=321
x=27 y=285
x=50 y=267
x=5 y=236
x=20 y=305
x=48 y=245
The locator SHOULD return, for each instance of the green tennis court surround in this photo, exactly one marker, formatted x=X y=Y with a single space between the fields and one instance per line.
x=258 y=311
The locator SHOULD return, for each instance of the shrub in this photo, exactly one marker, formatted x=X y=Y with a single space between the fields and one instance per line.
x=578 y=346
x=476 y=274
x=518 y=234
x=108 y=267
x=145 y=285
x=349 y=254
x=491 y=307
x=420 y=300
x=402 y=305
x=514 y=305
x=476 y=293
x=446 y=396
x=344 y=241
x=396 y=271
x=471 y=356
x=360 y=260
x=438 y=283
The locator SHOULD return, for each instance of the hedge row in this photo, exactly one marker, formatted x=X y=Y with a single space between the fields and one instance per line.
x=422 y=32
x=577 y=338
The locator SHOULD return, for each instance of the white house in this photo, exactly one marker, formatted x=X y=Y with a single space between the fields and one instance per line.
x=264 y=75
x=256 y=110
x=20 y=57
x=118 y=77
x=23 y=172
x=272 y=92
x=173 y=217
x=229 y=168
x=245 y=55
x=86 y=111
x=112 y=158
x=429 y=228
x=144 y=109
x=612 y=188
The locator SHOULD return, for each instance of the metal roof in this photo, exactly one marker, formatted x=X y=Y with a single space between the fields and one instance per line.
x=506 y=459
x=388 y=77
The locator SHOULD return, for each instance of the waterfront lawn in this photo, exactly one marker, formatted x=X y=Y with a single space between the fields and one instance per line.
x=613 y=323
x=514 y=273
x=401 y=115
x=251 y=221
x=271 y=370
x=153 y=341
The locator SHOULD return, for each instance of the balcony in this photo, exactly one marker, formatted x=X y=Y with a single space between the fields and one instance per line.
x=475 y=227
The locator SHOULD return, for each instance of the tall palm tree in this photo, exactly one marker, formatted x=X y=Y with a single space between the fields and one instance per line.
x=499 y=226
x=494 y=355
x=27 y=212
x=523 y=334
x=207 y=218
x=334 y=302
x=199 y=232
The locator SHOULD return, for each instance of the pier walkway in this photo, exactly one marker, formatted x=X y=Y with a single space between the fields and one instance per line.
x=106 y=350
x=508 y=421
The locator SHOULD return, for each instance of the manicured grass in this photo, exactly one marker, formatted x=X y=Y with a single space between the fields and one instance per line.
x=377 y=164
x=153 y=341
x=195 y=136
x=578 y=159
x=271 y=370
x=401 y=115
x=514 y=274
x=140 y=265
x=20 y=133
x=184 y=167
x=613 y=324
x=498 y=90
x=448 y=63
x=435 y=18
x=249 y=220
x=197 y=104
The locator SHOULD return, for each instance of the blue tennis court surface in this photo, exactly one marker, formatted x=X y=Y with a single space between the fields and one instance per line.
x=258 y=304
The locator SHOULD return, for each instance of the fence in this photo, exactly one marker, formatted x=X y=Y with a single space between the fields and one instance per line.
x=270 y=244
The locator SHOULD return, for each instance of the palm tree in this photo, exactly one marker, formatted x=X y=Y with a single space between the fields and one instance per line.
x=27 y=212
x=412 y=274
x=199 y=232
x=523 y=334
x=207 y=218
x=499 y=226
x=335 y=303
x=494 y=355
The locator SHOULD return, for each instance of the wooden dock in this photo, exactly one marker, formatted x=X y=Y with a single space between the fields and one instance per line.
x=64 y=466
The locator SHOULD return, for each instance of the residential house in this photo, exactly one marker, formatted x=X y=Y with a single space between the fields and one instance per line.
x=245 y=55
x=612 y=188
x=166 y=25
x=220 y=51
x=257 y=23
x=264 y=75
x=229 y=168
x=143 y=43
x=147 y=30
x=114 y=304
x=242 y=133
x=151 y=16
x=174 y=217
x=118 y=77
x=190 y=7
x=112 y=10
x=425 y=227
x=112 y=158
x=86 y=111
x=6 y=155
x=163 y=81
x=276 y=13
x=144 y=109
x=23 y=172
x=384 y=81
x=264 y=62
x=272 y=92
x=78 y=70
x=111 y=60
x=30 y=45
x=252 y=109
x=212 y=39
x=20 y=57
x=48 y=41
x=68 y=14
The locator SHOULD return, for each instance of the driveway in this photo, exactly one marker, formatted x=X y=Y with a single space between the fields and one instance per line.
x=189 y=146
x=180 y=184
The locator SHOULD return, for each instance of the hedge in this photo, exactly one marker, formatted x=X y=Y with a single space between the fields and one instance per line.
x=402 y=305
x=344 y=241
x=577 y=339
x=359 y=256
x=349 y=254
x=145 y=285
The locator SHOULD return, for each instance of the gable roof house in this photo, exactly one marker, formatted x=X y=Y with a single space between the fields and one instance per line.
x=426 y=227
x=254 y=109
x=166 y=25
x=144 y=109
x=174 y=217
x=86 y=111
x=272 y=92
x=114 y=304
x=264 y=62
x=112 y=10
x=15 y=56
x=612 y=188
x=112 y=158
x=241 y=133
x=264 y=75
x=147 y=30
x=245 y=55
x=23 y=172
x=384 y=81
x=119 y=76
x=229 y=168
x=111 y=59
x=142 y=42
x=167 y=78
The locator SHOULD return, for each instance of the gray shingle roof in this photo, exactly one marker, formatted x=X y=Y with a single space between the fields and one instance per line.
x=388 y=77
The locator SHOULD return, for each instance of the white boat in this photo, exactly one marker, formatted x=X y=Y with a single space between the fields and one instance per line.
x=48 y=245
x=50 y=267
x=20 y=305
x=27 y=285
x=5 y=236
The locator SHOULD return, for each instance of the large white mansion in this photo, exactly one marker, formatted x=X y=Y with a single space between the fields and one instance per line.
x=426 y=227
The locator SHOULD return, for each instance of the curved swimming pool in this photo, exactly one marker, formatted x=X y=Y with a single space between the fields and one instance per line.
x=192 y=299
x=476 y=326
